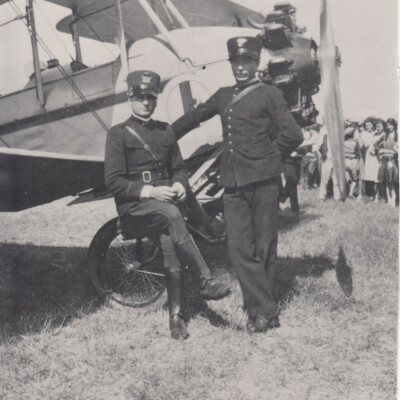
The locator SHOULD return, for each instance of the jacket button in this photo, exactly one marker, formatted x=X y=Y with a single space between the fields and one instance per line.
x=230 y=142
x=229 y=134
x=231 y=150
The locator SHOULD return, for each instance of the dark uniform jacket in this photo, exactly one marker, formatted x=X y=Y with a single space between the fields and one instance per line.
x=258 y=132
x=126 y=160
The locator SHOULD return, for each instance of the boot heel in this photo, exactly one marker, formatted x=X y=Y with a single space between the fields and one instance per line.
x=178 y=328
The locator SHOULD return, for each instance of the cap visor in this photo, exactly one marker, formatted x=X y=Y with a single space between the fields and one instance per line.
x=145 y=91
x=247 y=54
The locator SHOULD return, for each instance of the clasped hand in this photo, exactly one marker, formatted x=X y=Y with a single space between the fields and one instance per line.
x=176 y=192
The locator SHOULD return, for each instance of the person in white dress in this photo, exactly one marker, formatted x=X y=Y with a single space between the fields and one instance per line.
x=369 y=140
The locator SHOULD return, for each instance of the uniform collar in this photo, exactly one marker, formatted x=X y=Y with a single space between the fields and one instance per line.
x=140 y=120
x=242 y=86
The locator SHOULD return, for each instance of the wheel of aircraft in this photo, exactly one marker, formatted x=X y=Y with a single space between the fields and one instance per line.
x=126 y=266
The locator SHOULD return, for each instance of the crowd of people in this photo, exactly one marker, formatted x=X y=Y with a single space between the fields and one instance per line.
x=371 y=159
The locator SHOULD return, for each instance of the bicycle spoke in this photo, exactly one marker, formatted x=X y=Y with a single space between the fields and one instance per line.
x=131 y=270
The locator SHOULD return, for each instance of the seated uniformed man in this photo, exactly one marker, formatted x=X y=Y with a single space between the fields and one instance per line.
x=145 y=171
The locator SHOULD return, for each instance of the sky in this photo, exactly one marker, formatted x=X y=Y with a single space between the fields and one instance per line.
x=365 y=32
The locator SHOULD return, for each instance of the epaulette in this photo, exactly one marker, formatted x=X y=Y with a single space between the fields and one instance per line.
x=120 y=125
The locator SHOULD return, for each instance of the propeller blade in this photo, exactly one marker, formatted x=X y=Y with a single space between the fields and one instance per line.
x=332 y=100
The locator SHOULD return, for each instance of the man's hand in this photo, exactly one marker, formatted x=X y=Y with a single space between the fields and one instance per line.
x=163 y=193
x=180 y=192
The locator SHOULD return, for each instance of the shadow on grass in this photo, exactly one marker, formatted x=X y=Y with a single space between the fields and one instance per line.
x=288 y=269
x=42 y=287
x=287 y=220
x=195 y=305
x=47 y=287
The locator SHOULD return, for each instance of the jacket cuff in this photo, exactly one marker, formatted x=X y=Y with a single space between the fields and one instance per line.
x=134 y=189
x=145 y=192
x=183 y=181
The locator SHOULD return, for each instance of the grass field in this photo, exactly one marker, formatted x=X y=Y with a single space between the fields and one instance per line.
x=338 y=291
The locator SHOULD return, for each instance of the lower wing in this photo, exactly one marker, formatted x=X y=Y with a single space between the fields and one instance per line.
x=31 y=178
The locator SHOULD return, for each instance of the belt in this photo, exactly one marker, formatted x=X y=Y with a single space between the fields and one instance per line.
x=149 y=176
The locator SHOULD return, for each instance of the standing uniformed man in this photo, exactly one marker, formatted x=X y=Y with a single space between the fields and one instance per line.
x=145 y=171
x=258 y=132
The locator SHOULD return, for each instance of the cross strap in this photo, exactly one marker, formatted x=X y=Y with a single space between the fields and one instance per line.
x=145 y=145
x=240 y=96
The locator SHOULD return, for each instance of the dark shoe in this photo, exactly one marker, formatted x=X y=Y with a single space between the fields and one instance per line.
x=213 y=290
x=262 y=323
x=216 y=229
x=213 y=231
x=250 y=325
x=177 y=325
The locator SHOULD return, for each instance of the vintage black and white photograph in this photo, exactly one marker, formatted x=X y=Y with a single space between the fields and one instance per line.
x=199 y=199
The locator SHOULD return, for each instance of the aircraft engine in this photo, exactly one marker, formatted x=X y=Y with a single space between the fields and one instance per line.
x=293 y=62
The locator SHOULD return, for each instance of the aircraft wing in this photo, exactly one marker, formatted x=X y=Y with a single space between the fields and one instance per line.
x=97 y=18
x=30 y=178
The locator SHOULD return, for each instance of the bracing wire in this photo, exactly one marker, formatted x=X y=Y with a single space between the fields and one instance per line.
x=63 y=71
x=97 y=36
x=54 y=31
x=11 y=20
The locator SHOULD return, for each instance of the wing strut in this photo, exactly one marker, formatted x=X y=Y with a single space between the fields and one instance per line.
x=176 y=14
x=32 y=30
x=164 y=31
x=121 y=39
x=75 y=36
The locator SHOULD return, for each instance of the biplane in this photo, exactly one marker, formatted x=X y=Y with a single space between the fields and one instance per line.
x=52 y=131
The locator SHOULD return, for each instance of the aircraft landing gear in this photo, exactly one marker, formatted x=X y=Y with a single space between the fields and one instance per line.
x=126 y=266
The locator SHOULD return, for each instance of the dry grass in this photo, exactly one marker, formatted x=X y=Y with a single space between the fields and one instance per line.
x=338 y=287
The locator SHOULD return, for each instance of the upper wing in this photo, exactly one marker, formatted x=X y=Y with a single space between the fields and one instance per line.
x=97 y=17
x=30 y=178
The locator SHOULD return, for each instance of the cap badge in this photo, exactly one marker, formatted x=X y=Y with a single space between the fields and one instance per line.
x=146 y=79
x=241 y=42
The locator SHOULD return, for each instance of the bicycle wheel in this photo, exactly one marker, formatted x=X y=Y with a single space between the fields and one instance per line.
x=126 y=266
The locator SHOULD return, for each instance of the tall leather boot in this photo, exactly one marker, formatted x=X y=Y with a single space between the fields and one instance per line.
x=294 y=201
x=177 y=324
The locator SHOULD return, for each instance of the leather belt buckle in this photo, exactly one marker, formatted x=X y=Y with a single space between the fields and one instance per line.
x=146 y=175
